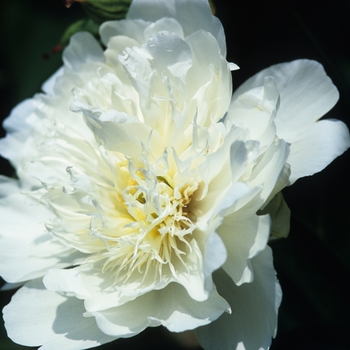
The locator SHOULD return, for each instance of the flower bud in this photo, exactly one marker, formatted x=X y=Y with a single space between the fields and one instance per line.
x=103 y=10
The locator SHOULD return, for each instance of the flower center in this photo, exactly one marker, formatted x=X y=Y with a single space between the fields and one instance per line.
x=159 y=227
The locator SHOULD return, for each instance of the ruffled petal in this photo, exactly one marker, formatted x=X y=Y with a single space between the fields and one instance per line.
x=192 y=15
x=49 y=86
x=26 y=249
x=131 y=29
x=171 y=307
x=253 y=318
x=82 y=48
x=255 y=110
x=37 y=316
x=17 y=132
x=324 y=141
x=245 y=235
x=307 y=94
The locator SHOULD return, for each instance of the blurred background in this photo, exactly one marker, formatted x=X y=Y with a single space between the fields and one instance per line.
x=313 y=263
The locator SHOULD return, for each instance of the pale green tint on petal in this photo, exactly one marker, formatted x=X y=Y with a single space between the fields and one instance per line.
x=192 y=15
x=280 y=217
x=244 y=234
x=82 y=48
x=171 y=307
x=36 y=316
x=253 y=318
x=307 y=94
x=26 y=248
x=133 y=29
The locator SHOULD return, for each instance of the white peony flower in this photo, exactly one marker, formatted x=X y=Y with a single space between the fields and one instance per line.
x=147 y=194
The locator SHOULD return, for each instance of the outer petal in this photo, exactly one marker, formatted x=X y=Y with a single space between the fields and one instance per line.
x=307 y=94
x=11 y=147
x=26 y=249
x=171 y=307
x=255 y=110
x=280 y=216
x=49 y=84
x=325 y=141
x=185 y=12
x=37 y=316
x=82 y=48
x=253 y=320
x=245 y=235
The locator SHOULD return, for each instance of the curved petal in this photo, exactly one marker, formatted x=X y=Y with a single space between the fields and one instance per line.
x=244 y=234
x=26 y=249
x=36 y=316
x=279 y=213
x=100 y=291
x=82 y=48
x=255 y=109
x=171 y=307
x=185 y=12
x=118 y=132
x=324 y=141
x=49 y=84
x=253 y=320
x=17 y=132
x=270 y=169
x=307 y=94
x=128 y=28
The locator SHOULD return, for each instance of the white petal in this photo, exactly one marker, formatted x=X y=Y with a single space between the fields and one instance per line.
x=26 y=249
x=17 y=132
x=307 y=94
x=36 y=316
x=49 y=85
x=193 y=15
x=96 y=289
x=127 y=28
x=100 y=291
x=253 y=320
x=244 y=234
x=169 y=51
x=324 y=141
x=270 y=168
x=255 y=110
x=171 y=307
x=82 y=48
x=215 y=256
x=119 y=132
x=209 y=77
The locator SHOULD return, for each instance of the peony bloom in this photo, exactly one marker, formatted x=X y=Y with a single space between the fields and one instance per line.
x=146 y=193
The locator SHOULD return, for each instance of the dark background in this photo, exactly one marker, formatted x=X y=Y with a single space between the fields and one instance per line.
x=313 y=263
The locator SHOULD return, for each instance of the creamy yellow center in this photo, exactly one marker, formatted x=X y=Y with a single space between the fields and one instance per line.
x=155 y=221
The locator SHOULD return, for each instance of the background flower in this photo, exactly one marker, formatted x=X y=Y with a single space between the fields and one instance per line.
x=325 y=231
